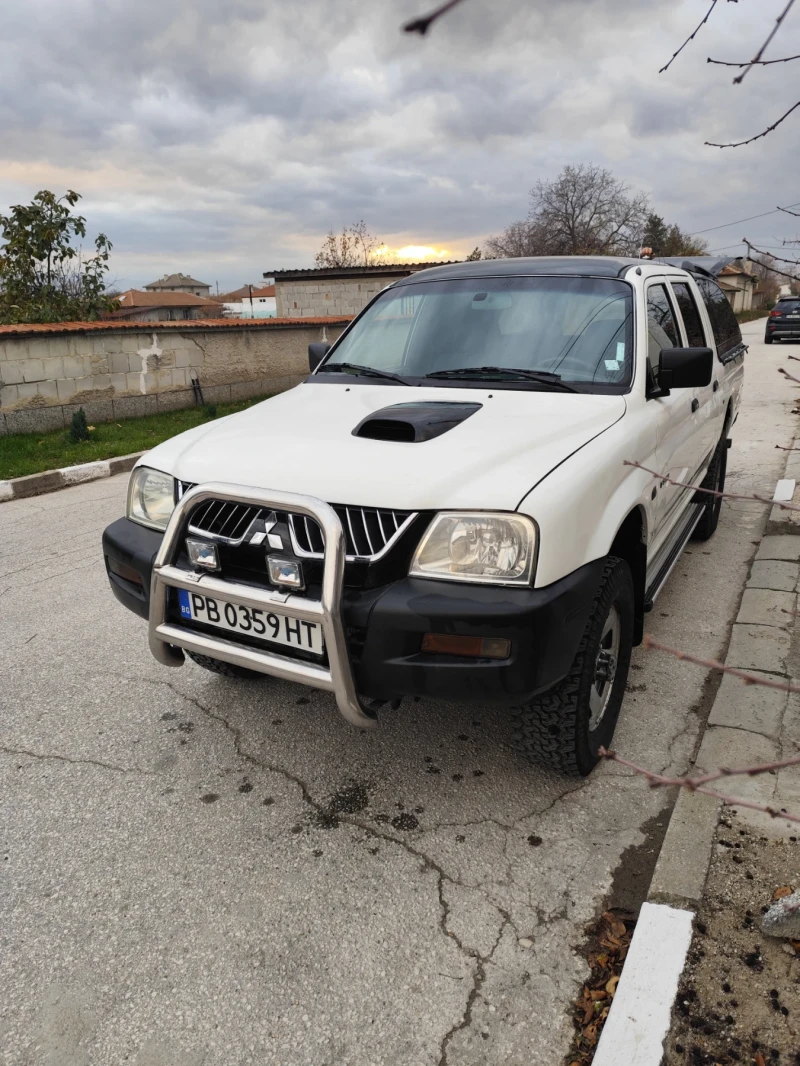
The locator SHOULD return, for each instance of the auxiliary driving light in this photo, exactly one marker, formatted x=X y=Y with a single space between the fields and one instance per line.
x=285 y=572
x=202 y=554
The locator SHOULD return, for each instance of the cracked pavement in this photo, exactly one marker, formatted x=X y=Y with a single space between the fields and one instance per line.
x=205 y=872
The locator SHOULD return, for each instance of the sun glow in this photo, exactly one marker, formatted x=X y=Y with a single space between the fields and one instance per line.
x=411 y=253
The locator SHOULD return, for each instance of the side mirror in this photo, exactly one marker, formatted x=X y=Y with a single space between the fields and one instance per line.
x=684 y=368
x=316 y=353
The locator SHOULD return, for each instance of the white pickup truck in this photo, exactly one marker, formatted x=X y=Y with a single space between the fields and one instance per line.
x=446 y=506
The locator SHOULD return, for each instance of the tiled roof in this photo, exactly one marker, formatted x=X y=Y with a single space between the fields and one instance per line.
x=22 y=329
x=243 y=293
x=395 y=269
x=171 y=280
x=137 y=298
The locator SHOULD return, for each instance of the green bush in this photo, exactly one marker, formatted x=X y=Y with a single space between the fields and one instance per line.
x=79 y=430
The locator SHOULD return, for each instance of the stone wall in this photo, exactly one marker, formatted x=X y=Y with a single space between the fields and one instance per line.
x=299 y=298
x=116 y=370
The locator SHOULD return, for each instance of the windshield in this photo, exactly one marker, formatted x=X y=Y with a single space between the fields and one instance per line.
x=577 y=328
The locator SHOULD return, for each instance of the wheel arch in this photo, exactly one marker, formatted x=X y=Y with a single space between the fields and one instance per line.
x=630 y=544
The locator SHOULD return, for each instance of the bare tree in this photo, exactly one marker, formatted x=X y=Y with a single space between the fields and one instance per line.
x=355 y=246
x=584 y=211
x=768 y=279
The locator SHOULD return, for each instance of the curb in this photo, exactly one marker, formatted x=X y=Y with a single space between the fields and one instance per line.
x=641 y=1012
x=19 y=488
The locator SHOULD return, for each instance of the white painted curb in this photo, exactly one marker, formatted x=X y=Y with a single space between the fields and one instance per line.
x=50 y=480
x=75 y=475
x=641 y=1013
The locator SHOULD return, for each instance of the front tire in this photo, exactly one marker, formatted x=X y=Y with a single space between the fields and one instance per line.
x=566 y=726
x=217 y=666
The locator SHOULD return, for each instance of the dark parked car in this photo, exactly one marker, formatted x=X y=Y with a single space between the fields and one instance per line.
x=784 y=320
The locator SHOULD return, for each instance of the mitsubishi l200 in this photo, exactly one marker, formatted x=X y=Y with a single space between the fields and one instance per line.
x=446 y=507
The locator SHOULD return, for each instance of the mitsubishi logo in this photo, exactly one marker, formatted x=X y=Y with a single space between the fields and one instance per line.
x=273 y=539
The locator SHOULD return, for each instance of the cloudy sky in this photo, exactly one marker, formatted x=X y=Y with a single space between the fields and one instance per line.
x=224 y=138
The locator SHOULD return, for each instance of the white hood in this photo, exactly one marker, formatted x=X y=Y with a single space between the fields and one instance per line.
x=302 y=441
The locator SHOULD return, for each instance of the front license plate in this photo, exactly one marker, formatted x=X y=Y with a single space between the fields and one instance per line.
x=268 y=625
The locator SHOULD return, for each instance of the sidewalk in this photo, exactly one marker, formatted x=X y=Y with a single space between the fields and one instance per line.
x=721 y=867
x=739 y=998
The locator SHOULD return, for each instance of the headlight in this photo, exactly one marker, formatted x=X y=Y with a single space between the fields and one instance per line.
x=151 y=497
x=491 y=549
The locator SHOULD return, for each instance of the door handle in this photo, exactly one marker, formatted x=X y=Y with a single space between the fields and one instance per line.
x=716 y=386
x=695 y=405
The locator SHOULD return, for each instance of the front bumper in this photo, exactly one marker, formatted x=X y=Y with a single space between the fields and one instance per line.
x=379 y=650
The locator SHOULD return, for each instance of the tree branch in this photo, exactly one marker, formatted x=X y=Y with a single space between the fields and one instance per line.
x=716 y=492
x=769 y=129
x=779 y=258
x=713 y=664
x=700 y=783
x=422 y=24
x=692 y=785
x=691 y=37
x=753 y=63
x=757 y=57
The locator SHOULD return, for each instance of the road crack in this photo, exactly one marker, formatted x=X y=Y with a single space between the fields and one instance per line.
x=428 y=864
x=45 y=757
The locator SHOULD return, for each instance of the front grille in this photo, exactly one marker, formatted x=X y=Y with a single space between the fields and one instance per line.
x=369 y=532
x=228 y=522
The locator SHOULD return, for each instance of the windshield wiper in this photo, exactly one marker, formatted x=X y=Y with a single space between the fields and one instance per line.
x=545 y=377
x=367 y=371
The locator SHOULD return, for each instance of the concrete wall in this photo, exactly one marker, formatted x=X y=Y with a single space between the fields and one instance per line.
x=337 y=296
x=123 y=372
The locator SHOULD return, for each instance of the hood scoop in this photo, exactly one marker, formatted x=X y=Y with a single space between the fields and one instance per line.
x=414 y=422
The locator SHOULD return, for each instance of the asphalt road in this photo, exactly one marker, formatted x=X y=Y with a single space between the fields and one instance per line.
x=200 y=872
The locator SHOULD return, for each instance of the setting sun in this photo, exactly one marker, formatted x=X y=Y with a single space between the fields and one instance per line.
x=413 y=253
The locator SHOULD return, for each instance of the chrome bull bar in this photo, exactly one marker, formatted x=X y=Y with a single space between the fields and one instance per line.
x=167 y=639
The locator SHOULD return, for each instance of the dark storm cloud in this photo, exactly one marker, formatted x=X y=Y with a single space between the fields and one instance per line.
x=227 y=138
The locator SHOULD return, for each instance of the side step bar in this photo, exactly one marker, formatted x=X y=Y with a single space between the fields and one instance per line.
x=670 y=562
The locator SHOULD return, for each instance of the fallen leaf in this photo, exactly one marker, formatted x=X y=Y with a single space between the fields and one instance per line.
x=760 y=1059
x=599 y=994
x=782 y=892
x=90 y=428
x=611 y=987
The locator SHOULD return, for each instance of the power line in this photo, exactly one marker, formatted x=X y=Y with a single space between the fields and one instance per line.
x=736 y=223
x=725 y=247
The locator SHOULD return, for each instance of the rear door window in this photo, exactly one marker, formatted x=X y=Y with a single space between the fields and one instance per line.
x=727 y=334
x=684 y=297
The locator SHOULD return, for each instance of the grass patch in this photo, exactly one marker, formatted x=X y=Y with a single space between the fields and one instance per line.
x=749 y=316
x=30 y=453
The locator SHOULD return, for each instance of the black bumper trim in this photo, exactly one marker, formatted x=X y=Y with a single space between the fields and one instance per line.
x=387 y=624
